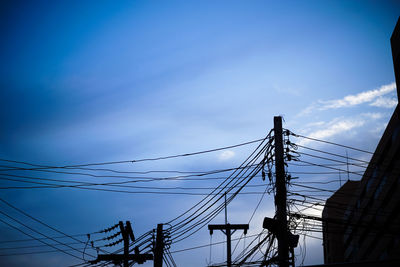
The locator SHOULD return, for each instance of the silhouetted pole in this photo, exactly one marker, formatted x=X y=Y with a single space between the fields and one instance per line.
x=125 y=236
x=126 y=232
x=280 y=198
x=226 y=229
x=228 y=247
x=159 y=249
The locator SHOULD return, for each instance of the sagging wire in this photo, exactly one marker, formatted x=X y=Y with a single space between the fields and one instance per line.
x=84 y=250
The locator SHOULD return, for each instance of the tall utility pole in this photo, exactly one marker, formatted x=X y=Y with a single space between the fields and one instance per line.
x=281 y=195
x=159 y=248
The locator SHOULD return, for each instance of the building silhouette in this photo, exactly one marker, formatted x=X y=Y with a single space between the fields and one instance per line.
x=361 y=221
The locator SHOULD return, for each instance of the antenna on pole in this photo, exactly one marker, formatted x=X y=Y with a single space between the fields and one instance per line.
x=226 y=212
x=347 y=163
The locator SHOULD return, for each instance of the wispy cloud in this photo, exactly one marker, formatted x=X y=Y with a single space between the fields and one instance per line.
x=341 y=125
x=360 y=98
x=337 y=126
x=227 y=154
x=376 y=97
x=373 y=115
x=385 y=102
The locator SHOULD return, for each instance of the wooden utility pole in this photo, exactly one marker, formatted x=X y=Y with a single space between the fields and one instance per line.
x=227 y=229
x=159 y=248
x=281 y=195
x=125 y=236
x=127 y=233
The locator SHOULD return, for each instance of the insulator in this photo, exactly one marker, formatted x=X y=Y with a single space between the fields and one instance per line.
x=263 y=175
x=289 y=157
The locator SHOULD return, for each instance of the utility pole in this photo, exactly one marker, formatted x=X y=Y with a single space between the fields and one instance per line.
x=281 y=195
x=125 y=236
x=159 y=248
x=227 y=230
x=127 y=233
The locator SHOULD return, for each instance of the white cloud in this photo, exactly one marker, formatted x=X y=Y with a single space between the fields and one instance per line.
x=385 y=102
x=316 y=124
x=375 y=97
x=225 y=155
x=360 y=98
x=373 y=115
x=337 y=126
x=307 y=110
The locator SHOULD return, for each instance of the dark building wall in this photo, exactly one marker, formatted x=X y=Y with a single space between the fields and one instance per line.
x=372 y=228
x=333 y=217
x=372 y=231
x=395 y=43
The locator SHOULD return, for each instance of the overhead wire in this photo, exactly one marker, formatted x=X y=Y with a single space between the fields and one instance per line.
x=135 y=160
x=205 y=202
x=328 y=142
x=251 y=217
x=48 y=244
x=211 y=215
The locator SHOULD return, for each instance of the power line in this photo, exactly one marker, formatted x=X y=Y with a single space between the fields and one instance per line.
x=188 y=174
x=221 y=187
x=325 y=158
x=328 y=167
x=136 y=160
x=137 y=187
x=41 y=238
x=211 y=215
x=333 y=154
x=212 y=244
x=33 y=252
x=41 y=222
x=328 y=142
x=251 y=217
x=16 y=228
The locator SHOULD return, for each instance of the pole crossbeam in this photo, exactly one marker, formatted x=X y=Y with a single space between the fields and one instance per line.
x=121 y=258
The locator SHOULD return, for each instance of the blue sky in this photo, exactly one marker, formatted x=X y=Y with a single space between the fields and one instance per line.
x=105 y=81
